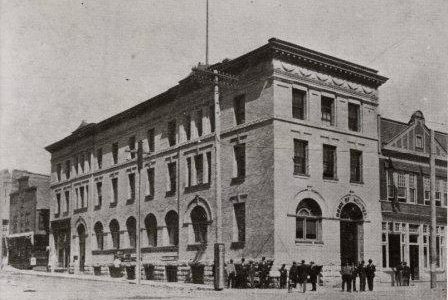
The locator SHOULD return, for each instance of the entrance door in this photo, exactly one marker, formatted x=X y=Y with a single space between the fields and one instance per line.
x=413 y=261
x=394 y=250
x=351 y=237
x=82 y=246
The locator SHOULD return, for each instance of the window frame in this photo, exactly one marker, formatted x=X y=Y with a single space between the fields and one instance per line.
x=354 y=122
x=239 y=109
x=299 y=104
x=326 y=147
x=300 y=163
x=358 y=168
x=327 y=117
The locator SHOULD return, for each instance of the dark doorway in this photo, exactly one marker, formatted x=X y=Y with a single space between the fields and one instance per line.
x=413 y=261
x=171 y=273
x=351 y=234
x=394 y=250
x=82 y=246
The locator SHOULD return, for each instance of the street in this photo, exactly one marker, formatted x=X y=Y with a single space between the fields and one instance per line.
x=14 y=285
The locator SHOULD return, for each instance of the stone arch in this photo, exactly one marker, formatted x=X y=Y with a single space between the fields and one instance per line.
x=353 y=199
x=308 y=194
x=78 y=222
x=197 y=201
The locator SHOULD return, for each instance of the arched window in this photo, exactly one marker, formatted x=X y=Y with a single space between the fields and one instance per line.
x=132 y=232
x=115 y=233
x=172 y=225
x=151 y=230
x=199 y=220
x=99 y=233
x=308 y=221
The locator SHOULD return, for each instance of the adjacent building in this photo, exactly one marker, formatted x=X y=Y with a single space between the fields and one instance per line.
x=29 y=222
x=405 y=195
x=299 y=171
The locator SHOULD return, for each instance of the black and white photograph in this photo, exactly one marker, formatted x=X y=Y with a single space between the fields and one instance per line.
x=223 y=149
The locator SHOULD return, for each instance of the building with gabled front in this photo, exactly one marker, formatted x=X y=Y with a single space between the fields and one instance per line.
x=299 y=171
x=405 y=195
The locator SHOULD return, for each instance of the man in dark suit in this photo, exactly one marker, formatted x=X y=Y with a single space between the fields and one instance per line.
x=302 y=274
x=370 y=274
x=292 y=276
x=362 y=276
x=314 y=272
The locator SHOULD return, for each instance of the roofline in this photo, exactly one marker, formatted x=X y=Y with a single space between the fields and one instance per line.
x=403 y=123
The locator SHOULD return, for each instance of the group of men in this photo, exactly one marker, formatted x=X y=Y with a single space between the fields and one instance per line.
x=364 y=272
x=298 y=276
x=243 y=275
x=402 y=274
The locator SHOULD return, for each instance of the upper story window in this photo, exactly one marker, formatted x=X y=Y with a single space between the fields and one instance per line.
x=187 y=127
x=418 y=142
x=239 y=108
x=239 y=210
x=300 y=158
x=82 y=163
x=353 y=117
x=438 y=193
x=298 y=104
x=412 y=188
x=199 y=128
x=172 y=133
x=401 y=187
x=58 y=204
x=115 y=153
x=355 y=166
x=171 y=178
x=67 y=201
x=67 y=169
x=99 y=193
x=99 y=158
x=427 y=190
x=150 y=137
x=131 y=145
x=329 y=162
x=327 y=110
x=114 y=199
x=150 y=182
x=212 y=118
x=59 y=171
x=239 y=168
x=76 y=164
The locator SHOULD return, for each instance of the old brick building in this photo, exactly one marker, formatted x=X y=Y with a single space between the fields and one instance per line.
x=299 y=173
x=29 y=221
x=405 y=195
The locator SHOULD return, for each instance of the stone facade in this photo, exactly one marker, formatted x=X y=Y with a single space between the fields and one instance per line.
x=259 y=202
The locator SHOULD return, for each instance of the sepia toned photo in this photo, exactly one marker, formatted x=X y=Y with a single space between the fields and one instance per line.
x=211 y=149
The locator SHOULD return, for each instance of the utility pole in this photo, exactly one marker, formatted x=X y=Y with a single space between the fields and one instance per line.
x=432 y=237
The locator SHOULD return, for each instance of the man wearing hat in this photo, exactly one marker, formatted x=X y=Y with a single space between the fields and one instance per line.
x=314 y=272
x=302 y=275
x=370 y=274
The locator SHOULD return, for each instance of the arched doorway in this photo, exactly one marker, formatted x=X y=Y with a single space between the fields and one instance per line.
x=82 y=246
x=200 y=223
x=351 y=234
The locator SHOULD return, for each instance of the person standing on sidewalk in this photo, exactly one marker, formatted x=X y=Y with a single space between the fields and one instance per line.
x=230 y=270
x=302 y=275
x=354 y=275
x=283 y=276
x=293 y=276
x=406 y=274
x=399 y=274
x=314 y=272
x=362 y=277
x=346 y=273
x=370 y=274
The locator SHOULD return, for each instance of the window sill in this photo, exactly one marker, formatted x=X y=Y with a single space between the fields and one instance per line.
x=113 y=204
x=237 y=245
x=196 y=246
x=160 y=249
x=198 y=187
x=357 y=182
x=309 y=242
x=237 y=180
x=130 y=201
x=149 y=197
x=97 y=207
x=170 y=193
x=298 y=175
x=80 y=210
x=327 y=179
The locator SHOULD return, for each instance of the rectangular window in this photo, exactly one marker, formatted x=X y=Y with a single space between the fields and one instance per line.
x=188 y=173
x=131 y=145
x=67 y=201
x=212 y=118
x=355 y=166
x=419 y=142
x=131 y=177
x=114 y=190
x=99 y=193
x=76 y=164
x=67 y=169
x=115 y=153
x=353 y=117
x=150 y=189
x=58 y=204
x=327 y=110
x=412 y=187
x=437 y=193
x=401 y=187
x=150 y=137
x=81 y=194
x=187 y=127
x=239 y=108
x=329 y=162
x=209 y=167
x=240 y=221
x=239 y=169
x=172 y=133
x=199 y=122
x=172 y=177
x=427 y=190
x=300 y=158
x=199 y=165
x=99 y=158
x=82 y=163
x=298 y=104
x=58 y=171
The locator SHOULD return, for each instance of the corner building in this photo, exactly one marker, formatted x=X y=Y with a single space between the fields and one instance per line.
x=299 y=171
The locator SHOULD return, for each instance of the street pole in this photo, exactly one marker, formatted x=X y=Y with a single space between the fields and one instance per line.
x=432 y=239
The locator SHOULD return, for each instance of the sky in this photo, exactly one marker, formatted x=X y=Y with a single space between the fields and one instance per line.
x=62 y=62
